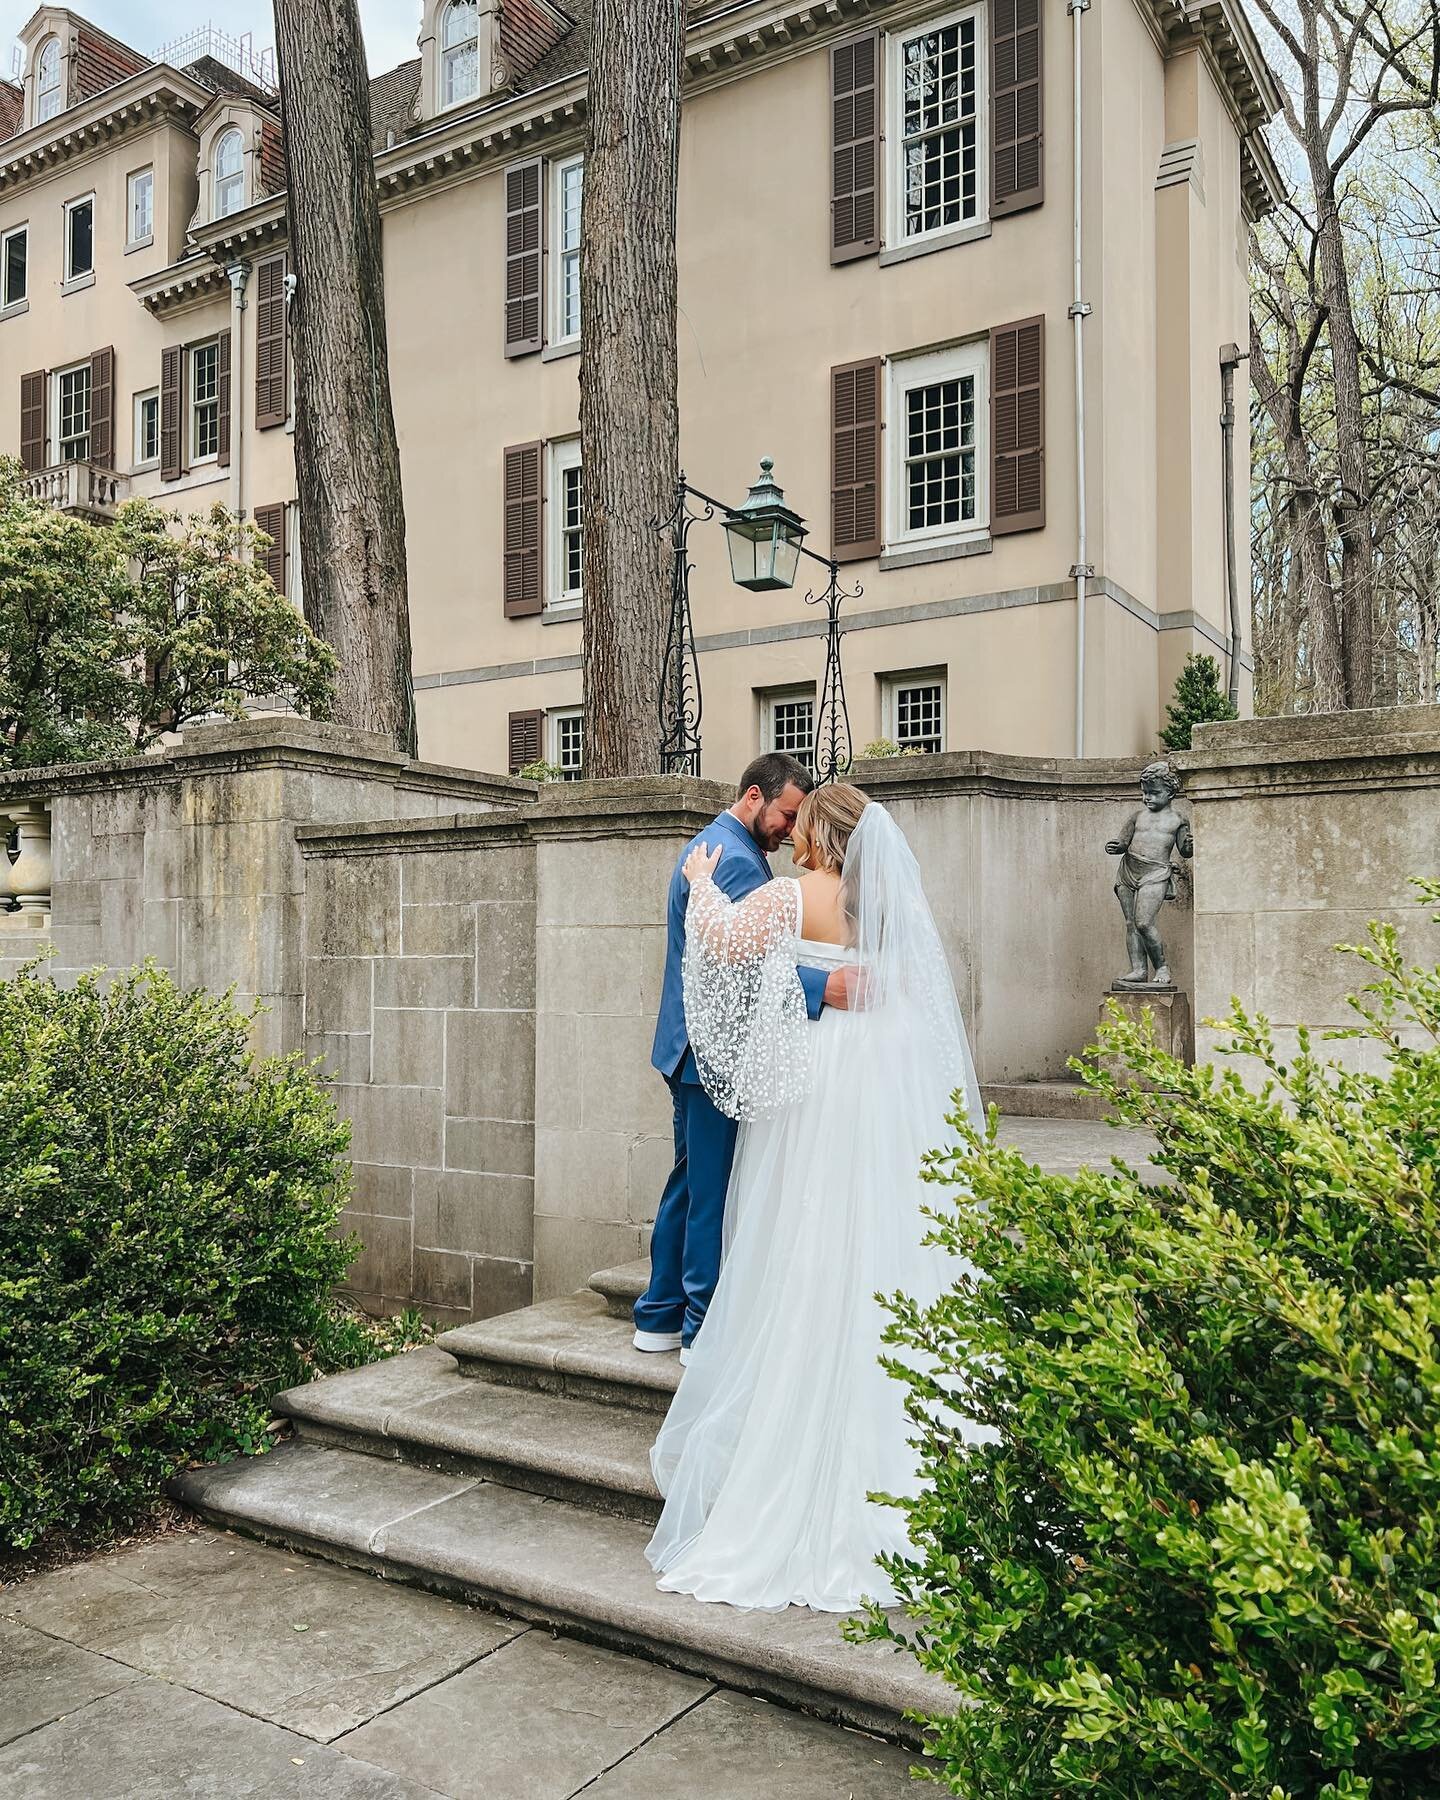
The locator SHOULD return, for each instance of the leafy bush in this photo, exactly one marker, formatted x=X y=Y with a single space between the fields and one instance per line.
x=1198 y=700
x=113 y=635
x=1202 y=1555
x=167 y=1247
x=542 y=771
x=878 y=749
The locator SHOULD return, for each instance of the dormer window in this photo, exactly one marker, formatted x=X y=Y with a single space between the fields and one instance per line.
x=47 y=81
x=229 y=173
x=459 y=52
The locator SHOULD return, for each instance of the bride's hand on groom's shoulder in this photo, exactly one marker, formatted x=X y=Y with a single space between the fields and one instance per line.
x=701 y=862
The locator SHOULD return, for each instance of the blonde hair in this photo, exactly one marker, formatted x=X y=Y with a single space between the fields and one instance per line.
x=827 y=817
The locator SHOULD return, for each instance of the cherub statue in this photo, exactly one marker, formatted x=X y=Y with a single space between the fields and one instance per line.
x=1146 y=878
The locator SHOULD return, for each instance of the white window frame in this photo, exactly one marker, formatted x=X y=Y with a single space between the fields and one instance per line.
x=71 y=208
x=562 y=259
x=561 y=454
x=55 y=91
x=449 y=52
x=194 y=403
x=136 y=240
x=903 y=373
x=222 y=183
x=770 y=698
x=896 y=236
x=57 y=380
x=891 y=687
x=8 y=300
x=137 y=430
x=555 y=720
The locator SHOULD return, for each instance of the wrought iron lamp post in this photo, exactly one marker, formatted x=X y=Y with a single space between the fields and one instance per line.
x=766 y=541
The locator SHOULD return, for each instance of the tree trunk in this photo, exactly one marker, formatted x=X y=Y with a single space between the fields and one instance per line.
x=629 y=412
x=352 y=514
x=1352 y=504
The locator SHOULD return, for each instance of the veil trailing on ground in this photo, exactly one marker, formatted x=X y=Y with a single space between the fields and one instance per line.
x=906 y=972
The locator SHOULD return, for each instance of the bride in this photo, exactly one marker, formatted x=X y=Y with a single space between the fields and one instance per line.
x=784 y=1421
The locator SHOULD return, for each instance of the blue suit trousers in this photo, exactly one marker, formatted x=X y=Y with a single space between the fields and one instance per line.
x=690 y=1221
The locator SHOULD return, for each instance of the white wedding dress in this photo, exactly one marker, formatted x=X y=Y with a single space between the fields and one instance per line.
x=784 y=1420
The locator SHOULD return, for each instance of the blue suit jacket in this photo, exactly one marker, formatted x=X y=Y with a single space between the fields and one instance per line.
x=742 y=869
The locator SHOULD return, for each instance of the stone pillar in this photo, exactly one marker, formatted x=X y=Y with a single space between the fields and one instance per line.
x=604 y=1131
x=28 y=879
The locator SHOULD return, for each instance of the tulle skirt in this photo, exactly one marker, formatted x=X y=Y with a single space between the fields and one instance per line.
x=784 y=1422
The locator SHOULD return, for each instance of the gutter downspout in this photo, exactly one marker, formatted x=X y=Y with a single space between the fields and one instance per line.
x=239 y=273
x=1079 y=312
x=1231 y=357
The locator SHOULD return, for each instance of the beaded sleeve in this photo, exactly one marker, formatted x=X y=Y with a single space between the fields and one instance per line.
x=744 y=1005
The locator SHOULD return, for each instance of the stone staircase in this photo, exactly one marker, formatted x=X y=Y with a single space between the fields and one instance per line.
x=509 y=1465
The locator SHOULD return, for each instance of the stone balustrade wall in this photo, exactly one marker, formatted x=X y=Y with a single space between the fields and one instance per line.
x=1306 y=830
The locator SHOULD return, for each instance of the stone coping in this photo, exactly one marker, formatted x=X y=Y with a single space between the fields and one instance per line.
x=1397 y=746
x=227 y=747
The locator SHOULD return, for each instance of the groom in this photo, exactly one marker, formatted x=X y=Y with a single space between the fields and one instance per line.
x=685 y=1243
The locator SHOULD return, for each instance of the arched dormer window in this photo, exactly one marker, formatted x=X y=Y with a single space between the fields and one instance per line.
x=47 y=81
x=459 y=52
x=229 y=173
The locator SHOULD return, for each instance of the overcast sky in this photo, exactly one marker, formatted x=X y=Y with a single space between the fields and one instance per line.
x=390 y=25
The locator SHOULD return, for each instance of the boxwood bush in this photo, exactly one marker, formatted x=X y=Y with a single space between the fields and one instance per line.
x=1201 y=1556
x=167 y=1243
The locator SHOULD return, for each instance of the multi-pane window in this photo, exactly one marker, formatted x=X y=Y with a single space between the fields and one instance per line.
x=459 y=52
x=229 y=174
x=566 y=188
x=789 y=723
x=938 y=127
x=47 y=81
x=141 y=205
x=567 y=522
x=916 y=708
x=14 y=266
x=147 y=428
x=72 y=406
x=204 y=401
x=936 y=423
x=567 y=742
x=79 y=237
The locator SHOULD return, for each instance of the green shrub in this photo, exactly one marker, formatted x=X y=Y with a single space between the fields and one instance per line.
x=880 y=749
x=1198 y=700
x=542 y=771
x=167 y=1247
x=1202 y=1557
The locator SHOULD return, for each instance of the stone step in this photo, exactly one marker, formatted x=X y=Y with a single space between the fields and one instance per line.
x=573 y=1346
x=622 y=1287
x=418 y=1409
x=582 y=1573
x=1061 y=1099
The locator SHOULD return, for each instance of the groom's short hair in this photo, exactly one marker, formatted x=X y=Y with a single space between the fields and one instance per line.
x=773 y=773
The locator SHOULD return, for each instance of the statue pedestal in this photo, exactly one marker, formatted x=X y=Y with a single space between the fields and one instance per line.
x=1168 y=1006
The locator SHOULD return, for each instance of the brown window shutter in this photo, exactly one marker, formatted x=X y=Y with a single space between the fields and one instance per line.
x=172 y=412
x=271 y=520
x=855 y=148
x=102 y=408
x=272 y=388
x=222 y=414
x=1017 y=427
x=521 y=584
x=1017 y=164
x=855 y=460
x=32 y=419
x=526 y=730
x=524 y=255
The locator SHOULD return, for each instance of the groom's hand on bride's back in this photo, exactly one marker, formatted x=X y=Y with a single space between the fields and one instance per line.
x=845 y=988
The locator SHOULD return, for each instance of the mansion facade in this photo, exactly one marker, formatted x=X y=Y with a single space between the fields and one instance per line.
x=888 y=269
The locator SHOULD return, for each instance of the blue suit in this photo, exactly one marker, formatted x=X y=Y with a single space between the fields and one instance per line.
x=685 y=1243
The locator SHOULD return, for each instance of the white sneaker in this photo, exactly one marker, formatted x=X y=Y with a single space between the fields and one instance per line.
x=685 y=1357
x=657 y=1340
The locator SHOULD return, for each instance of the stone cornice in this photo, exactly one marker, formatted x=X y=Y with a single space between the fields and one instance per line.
x=155 y=94
x=181 y=285
x=1314 y=754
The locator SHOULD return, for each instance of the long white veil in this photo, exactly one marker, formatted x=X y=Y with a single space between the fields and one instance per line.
x=906 y=972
